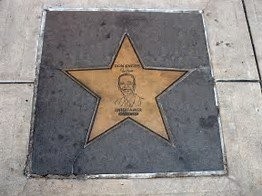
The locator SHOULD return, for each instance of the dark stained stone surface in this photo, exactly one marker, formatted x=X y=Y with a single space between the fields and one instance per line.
x=64 y=109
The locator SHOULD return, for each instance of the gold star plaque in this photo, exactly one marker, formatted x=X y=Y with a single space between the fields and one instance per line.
x=126 y=90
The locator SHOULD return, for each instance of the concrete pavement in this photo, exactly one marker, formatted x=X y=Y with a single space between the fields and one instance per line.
x=236 y=71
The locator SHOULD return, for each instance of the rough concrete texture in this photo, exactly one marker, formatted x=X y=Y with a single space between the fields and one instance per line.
x=240 y=103
x=15 y=106
x=230 y=47
x=254 y=13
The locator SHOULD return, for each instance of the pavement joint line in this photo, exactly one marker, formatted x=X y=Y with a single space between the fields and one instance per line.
x=16 y=82
x=240 y=81
x=252 y=43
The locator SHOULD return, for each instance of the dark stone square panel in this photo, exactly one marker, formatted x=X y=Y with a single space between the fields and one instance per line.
x=64 y=110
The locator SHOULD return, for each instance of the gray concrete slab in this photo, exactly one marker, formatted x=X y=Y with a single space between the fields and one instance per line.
x=233 y=59
x=15 y=107
x=241 y=116
x=19 y=29
x=254 y=14
x=230 y=46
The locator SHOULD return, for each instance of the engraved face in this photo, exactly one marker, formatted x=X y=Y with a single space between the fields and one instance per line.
x=126 y=84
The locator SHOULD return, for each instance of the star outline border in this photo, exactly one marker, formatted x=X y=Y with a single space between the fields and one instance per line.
x=98 y=98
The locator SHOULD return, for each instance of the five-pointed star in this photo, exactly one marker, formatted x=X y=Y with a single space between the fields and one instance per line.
x=126 y=90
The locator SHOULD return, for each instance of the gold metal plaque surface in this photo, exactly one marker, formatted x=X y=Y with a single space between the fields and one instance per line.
x=126 y=90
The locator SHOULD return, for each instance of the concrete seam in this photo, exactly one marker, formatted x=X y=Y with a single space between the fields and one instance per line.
x=16 y=82
x=252 y=43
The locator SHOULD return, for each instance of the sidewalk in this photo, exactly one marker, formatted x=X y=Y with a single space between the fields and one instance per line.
x=234 y=30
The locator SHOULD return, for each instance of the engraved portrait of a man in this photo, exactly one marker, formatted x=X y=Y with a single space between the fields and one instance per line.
x=127 y=86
